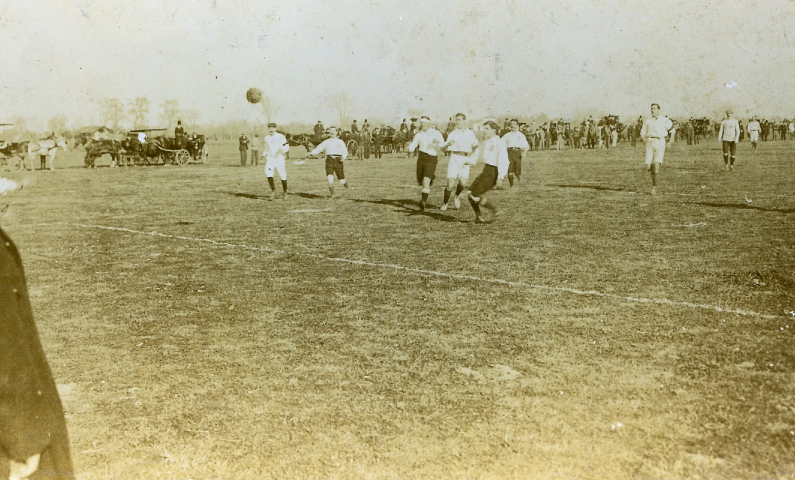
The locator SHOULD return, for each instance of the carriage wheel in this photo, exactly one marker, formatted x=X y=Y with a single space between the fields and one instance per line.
x=16 y=164
x=181 y=157
x=352 y=145
x=205 y=157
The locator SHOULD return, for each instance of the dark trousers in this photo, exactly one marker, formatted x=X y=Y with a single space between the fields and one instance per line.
x=243 y=155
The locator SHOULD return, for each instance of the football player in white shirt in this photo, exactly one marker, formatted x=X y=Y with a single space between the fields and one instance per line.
x=430 y=141
x=336 y=153
x=517 y=146
x=461 y=141
x=753 y=129
x=494 y=153
x=654 y=132
x=275 y=149
x=728 y=136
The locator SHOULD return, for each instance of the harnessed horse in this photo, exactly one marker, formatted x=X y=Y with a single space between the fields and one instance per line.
x=46 y=150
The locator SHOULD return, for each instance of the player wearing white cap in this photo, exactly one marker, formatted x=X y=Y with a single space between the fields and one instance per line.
x=461 y=141
x=429 y=140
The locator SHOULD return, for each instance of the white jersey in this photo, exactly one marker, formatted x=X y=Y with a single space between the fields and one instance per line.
x=729 y=130
x=655 y=127
x=332 y=146
x=462 y=140
x=494 y=152
x=429 y=141
x=753 y=126
x=516 y=140
x=276 y=146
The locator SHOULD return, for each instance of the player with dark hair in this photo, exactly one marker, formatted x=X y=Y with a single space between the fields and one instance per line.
x=495 y=155
x=654 y=132
x=517 y=145
x=336 y=153
x=461 y=141
x=728 y=136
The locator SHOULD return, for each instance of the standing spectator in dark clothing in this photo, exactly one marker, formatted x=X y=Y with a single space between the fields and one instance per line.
x=354 y=128
x=179 y=131
x=243 y=147
x=367 y=139
x=378 y=138
x=33 y=433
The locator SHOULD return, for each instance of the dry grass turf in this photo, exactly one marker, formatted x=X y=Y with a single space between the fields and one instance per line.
x=359 y=338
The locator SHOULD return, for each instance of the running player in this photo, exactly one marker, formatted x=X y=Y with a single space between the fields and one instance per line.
x=430 y=141
x=336 y=153
x=461 y=141
x=495 y=155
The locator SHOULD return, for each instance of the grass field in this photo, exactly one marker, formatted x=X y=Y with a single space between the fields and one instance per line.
x=198 y=330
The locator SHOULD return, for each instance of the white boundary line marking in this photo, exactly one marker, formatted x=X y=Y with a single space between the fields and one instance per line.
x=435 y=273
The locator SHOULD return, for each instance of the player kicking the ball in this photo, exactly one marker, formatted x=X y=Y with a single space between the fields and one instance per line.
x=275 y=149
x=336 y=153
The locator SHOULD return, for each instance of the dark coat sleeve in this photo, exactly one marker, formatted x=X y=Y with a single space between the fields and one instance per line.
x=31 y=415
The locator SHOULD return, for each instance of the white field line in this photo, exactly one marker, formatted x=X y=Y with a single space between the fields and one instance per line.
x=458 y=276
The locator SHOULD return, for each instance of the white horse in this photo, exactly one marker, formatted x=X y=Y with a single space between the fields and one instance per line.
x=46 y=149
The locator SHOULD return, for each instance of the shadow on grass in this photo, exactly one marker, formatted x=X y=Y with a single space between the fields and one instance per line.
x=410 y=208
x=744 y=206
x=252 y=196
x=246 y=195
x=593 y=187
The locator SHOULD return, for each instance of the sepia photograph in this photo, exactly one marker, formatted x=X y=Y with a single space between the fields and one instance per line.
x=362 y=239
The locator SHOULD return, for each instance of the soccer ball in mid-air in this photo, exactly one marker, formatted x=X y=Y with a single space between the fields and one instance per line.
x=254 y=95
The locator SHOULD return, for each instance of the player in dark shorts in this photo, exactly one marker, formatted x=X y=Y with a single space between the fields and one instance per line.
x=494 y=153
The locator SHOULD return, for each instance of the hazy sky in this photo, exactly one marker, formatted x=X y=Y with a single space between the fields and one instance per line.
x=563 y=58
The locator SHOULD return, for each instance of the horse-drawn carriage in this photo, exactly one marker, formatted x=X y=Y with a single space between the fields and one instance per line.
x=140 y=148
x=12 y=154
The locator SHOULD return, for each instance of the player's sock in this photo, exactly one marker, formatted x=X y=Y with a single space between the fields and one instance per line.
x=459 y=189
x=510 y=179
x=424 y=197
x=726 y=158
x=272 y=185
x=732 y=161
x=284 y=186
x=331 y=189
x=447 y=193
x=653 y=177
x=475 y=206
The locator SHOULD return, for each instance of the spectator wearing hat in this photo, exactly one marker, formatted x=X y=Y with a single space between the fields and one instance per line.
x=243 y=147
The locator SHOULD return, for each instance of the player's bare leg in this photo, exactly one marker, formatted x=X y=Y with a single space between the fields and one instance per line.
x=331 y=185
